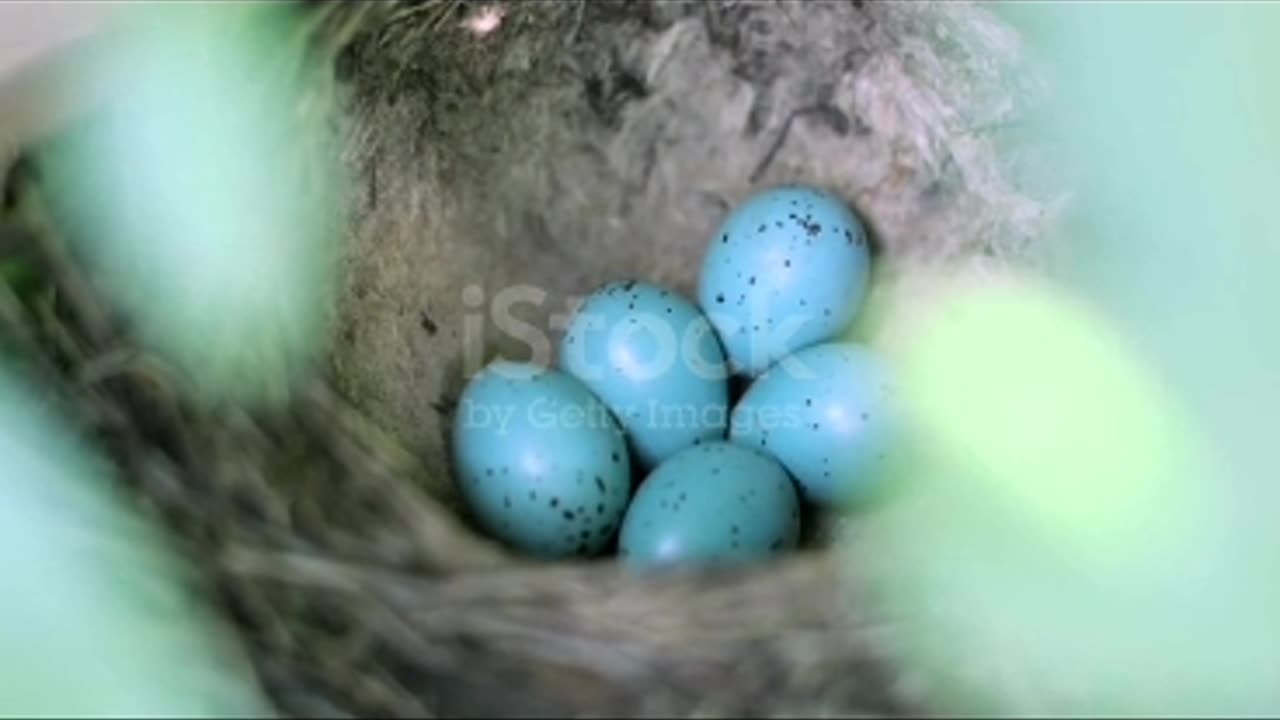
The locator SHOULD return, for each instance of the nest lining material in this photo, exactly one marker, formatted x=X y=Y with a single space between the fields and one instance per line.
x=577 y=143
x=638 y=126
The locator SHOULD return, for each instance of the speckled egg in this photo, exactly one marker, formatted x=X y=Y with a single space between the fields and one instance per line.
x=787 y=269
x=826 y=414
x=540 y=461
x=712 y=503
x=655 y=361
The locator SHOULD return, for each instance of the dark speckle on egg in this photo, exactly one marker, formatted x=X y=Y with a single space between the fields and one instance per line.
x=719 y=297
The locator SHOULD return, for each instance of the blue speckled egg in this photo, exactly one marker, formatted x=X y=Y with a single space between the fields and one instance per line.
x=655 y=361
x=787 y=269
x=712 y=503
x=540 y=461
x=826 y=414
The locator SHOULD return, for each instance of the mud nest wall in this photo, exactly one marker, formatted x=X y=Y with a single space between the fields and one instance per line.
x=572 y=144
x=579 y=143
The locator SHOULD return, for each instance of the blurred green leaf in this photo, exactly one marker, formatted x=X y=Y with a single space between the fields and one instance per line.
x=93 y=611
x=1087 y=519
x=1166 y=118
x=1063 y=541
x=206 y=192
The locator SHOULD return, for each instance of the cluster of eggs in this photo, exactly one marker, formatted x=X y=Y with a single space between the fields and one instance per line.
x=545 y=457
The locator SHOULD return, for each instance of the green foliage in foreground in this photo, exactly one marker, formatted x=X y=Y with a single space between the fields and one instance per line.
x=1087 y=524
x=204 y=191
x=93 y=612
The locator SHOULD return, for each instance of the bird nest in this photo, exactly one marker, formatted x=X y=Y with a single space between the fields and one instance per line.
x=552 y=146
